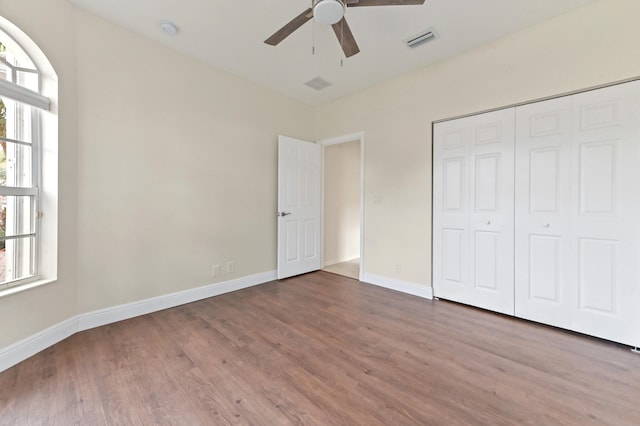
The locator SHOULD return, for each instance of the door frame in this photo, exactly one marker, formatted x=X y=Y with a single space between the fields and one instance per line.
x=359 y=136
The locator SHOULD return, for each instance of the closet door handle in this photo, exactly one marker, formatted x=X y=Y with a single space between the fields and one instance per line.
x=488 y=222
x=547 y=225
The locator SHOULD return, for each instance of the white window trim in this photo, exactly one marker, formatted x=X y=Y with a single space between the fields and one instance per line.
x=34 y=192
x=24 y=95
x=29 y=97
x=45 y=99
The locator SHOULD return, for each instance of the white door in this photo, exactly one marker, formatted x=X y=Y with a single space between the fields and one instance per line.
x=299 y=206
x=451 y=210
x=473 y=210
x=542 y=211
x=491 y=215
x=605 y=216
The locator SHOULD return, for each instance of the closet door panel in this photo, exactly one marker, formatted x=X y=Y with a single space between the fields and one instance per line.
x=473 y=210
x=606 y=213
x=491 y=210
x=542 y=211
x=451 y=210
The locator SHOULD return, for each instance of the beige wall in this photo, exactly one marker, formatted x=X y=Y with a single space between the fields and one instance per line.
x=167 y=166
x=177 y=168
x=341 y=202
x=50 y=24
x=591 y=46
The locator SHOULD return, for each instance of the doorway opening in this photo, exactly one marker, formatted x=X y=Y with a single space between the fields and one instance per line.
x=342 y=206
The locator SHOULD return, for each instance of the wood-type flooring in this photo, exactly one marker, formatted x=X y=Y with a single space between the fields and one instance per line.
x=320 y=349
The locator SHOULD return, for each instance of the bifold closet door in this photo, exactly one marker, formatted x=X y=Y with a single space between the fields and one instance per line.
x=577 y=223
x=605 y=216
x=473 y=210
x=542 y=212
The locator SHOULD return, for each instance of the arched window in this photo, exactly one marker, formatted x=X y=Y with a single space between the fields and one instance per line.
x=22 y=106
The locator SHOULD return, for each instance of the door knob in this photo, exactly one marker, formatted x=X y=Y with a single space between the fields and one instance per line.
x=546 y=225
x=283 y=214
x=488 y=222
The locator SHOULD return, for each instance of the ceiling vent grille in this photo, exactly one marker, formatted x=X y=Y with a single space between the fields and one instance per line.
x=318 y=83
x=421 y=39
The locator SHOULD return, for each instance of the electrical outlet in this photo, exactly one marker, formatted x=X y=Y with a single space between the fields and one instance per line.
x=215 y=270
x=231 y=267
x=398 y=267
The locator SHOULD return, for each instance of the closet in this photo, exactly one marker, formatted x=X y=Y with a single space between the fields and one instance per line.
x=536 y=211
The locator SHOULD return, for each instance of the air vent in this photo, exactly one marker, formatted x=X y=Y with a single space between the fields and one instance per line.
x=318 y=83
x=421 y=39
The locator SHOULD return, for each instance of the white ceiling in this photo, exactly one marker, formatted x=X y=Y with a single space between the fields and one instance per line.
x=229 y=35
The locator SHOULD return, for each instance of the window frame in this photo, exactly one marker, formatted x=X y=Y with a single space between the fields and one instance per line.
x=37 y=103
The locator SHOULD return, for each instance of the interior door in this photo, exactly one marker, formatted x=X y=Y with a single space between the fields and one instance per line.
x=543 y=273
x=299 y=206
x=473 y=210
x=606 y=211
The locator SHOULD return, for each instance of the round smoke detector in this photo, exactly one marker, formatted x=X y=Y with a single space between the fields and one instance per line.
x=168 y=28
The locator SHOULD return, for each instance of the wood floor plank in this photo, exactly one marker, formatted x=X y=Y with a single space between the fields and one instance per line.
x=320 y=349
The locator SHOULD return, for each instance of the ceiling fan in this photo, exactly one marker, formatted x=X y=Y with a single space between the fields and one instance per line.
x=331 y=12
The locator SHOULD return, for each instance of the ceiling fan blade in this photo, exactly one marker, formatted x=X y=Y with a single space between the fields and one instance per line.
x=356 y=3
x=345 y=38
x=289 y=28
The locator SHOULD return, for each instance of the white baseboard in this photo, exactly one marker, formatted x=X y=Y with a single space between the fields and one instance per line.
x=398 y=285
x=26 y=348
x=147 y=306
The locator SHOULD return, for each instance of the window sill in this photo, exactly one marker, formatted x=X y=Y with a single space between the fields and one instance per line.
x=24 y=287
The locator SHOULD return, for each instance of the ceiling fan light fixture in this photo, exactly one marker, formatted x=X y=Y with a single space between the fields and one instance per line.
x=328 y=12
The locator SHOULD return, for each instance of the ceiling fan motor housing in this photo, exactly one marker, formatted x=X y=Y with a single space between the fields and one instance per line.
x=331 y=12
x=328 y=12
